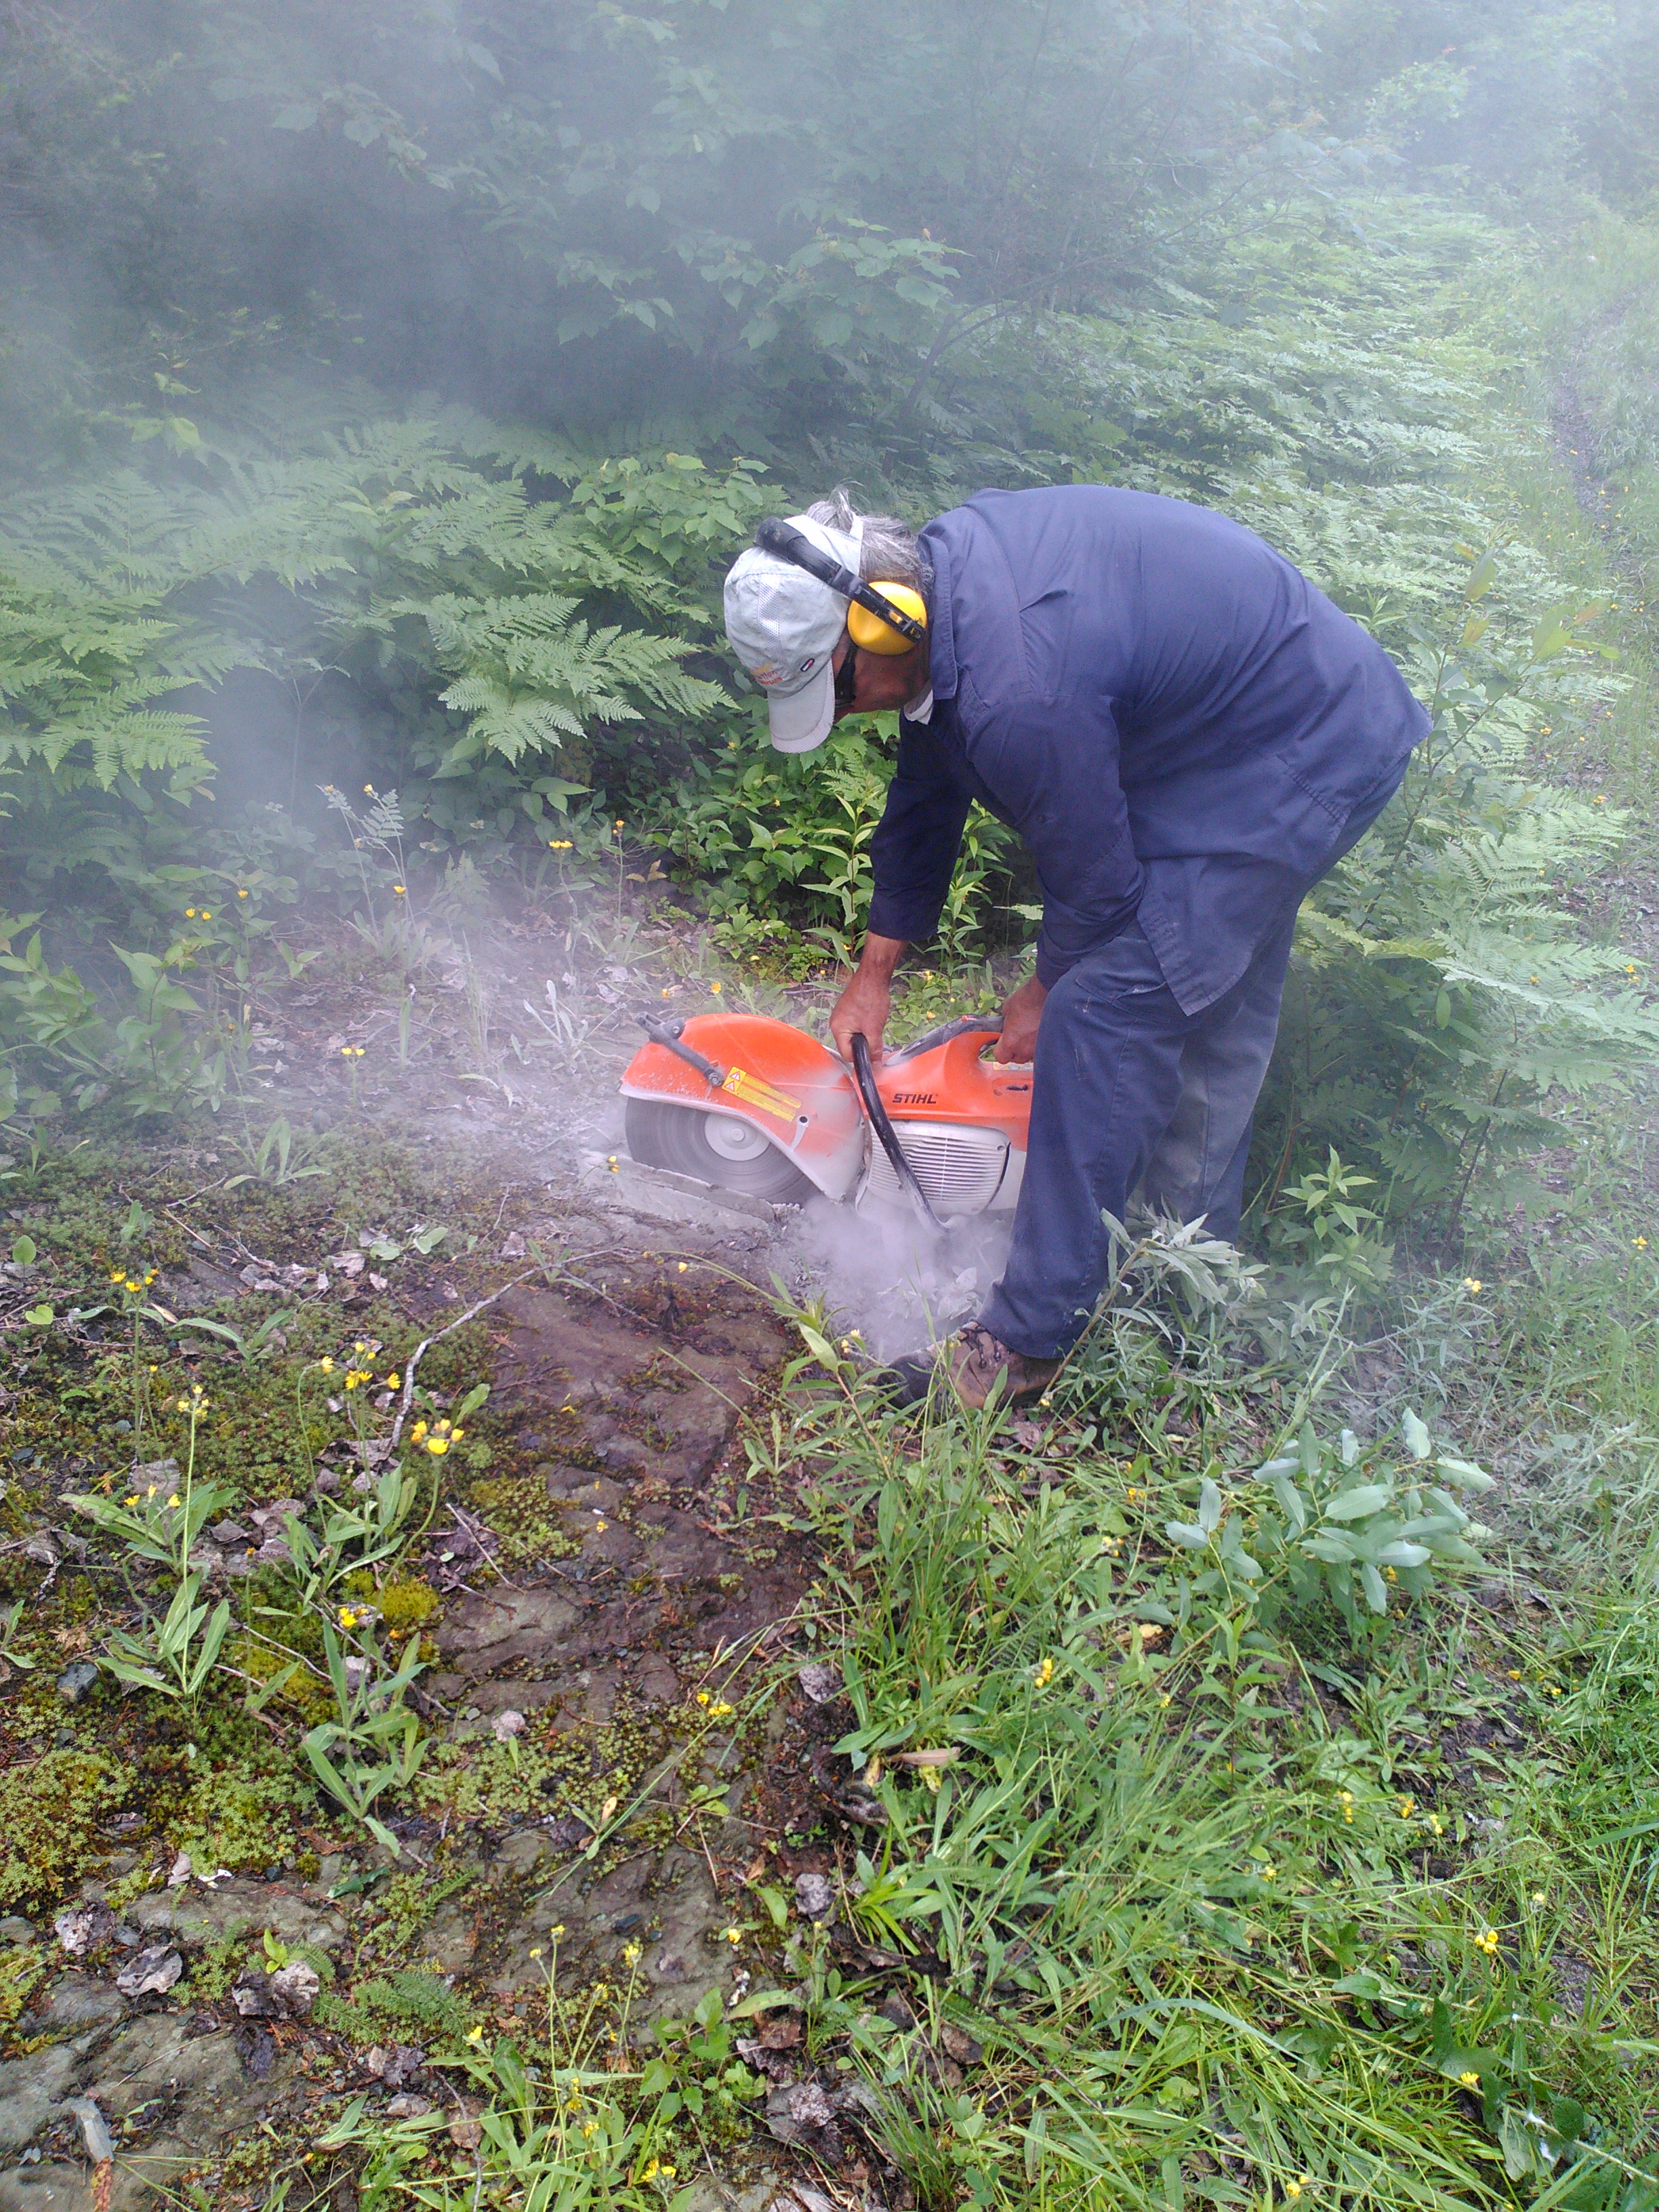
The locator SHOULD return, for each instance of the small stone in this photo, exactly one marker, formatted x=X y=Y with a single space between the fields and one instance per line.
x=506 y=1726
x=83 y=1926
x=406 y=2106
x=958 y=2044
x=821 y=1681
x=76 y=1679
x=228 y=1532
x=256 y=2047
x=288 y=1994
x=465 y=2132
x=152 y=1973
x=14 y=1928
x=180 y=1871
x=94 y=2134
x=814 y=1895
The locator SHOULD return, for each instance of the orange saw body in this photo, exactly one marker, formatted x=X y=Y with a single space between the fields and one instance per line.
x=748 y=1104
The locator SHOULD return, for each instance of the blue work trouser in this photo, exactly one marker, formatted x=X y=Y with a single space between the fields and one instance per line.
x=1130 y=1092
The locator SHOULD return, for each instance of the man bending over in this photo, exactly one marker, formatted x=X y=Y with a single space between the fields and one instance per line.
x=1186 y=733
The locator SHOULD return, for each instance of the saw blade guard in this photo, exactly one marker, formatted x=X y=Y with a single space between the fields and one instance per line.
x=767 y=1075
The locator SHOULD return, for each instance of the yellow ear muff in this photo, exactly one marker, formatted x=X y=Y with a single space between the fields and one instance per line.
x=871 y=635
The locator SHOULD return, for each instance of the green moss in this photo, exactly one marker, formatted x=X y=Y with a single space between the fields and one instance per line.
x=50 y=1810
x=20 y=1970
x=403 y=1606
x=242 y=1820
x=303 y=1693
x=529 y=1524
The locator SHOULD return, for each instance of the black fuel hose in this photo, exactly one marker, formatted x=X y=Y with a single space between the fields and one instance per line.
x=863 y=1075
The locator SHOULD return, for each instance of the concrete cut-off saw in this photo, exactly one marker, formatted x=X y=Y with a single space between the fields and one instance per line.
x=748 y=1104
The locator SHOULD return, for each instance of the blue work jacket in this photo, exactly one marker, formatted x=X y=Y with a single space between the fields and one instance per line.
x=1181 y=727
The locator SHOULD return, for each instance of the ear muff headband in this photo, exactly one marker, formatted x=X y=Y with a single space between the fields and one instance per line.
x=788 y=543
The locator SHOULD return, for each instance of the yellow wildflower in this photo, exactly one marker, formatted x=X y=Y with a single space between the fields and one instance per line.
x=418 y=1432
x=242 y=894
x=392 y=1382
x=1486 y=1940
x=1471 y=1285
x=1469 y=2079
x=476 y=2034
x=348 y=1617
x=1407 y=1806
x=173 y=1500
x=732 y=1935
x=1044 y=1674
x=327 y=1366
x=133 y=1500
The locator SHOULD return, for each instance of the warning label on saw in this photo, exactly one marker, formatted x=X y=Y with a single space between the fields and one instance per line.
x=754 y=1090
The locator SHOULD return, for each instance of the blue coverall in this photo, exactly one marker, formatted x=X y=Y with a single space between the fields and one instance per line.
x=1187 y=734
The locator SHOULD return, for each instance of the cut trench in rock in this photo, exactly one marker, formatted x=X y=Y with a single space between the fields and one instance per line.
x=636 y=1387
x=636 y=1383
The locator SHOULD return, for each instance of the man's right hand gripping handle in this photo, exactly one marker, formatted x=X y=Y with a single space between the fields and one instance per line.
x=863 y=1006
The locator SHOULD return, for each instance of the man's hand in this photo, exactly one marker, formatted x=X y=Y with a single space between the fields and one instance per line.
x=1020 y=1017
x=863 y=1006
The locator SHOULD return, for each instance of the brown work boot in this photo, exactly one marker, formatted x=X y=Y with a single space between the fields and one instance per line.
x=974 y=1364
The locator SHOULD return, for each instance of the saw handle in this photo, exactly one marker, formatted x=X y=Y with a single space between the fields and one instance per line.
x=668 y=1036
x=864 y=1076
x=965 y=1025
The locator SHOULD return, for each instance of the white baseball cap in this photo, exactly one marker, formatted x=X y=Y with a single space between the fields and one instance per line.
x=784 y=626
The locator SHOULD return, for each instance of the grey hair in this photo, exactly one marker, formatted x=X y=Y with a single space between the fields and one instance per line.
x=888 y=552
